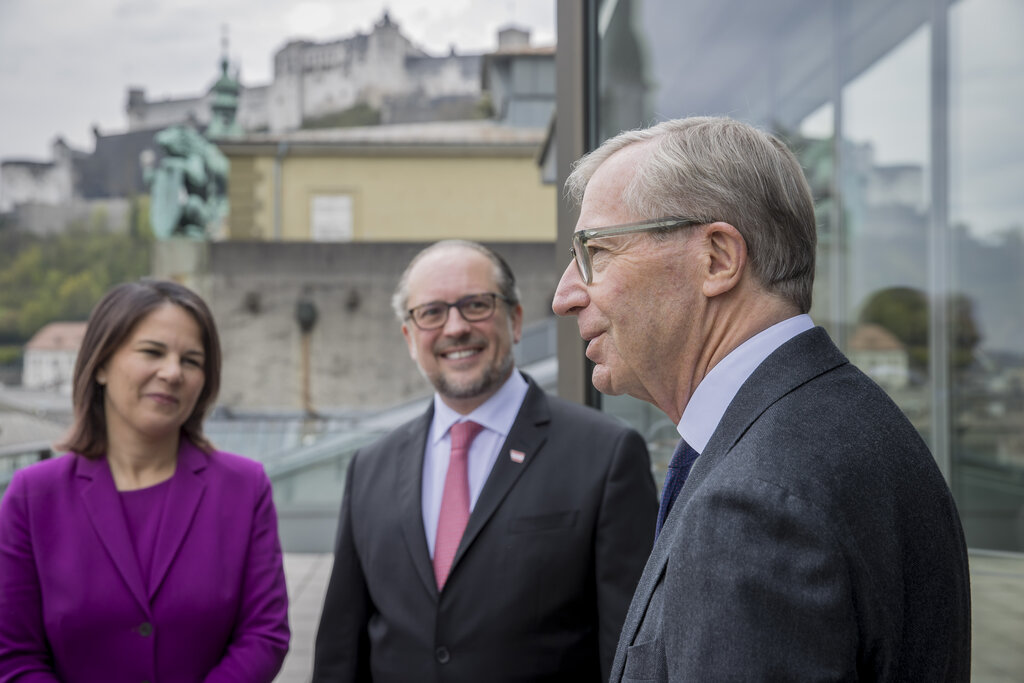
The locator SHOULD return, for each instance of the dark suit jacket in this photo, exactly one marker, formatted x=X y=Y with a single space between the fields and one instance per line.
x=815 y=539
x=75 y=606
x=541 y=581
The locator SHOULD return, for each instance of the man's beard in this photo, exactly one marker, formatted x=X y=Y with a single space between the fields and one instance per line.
x=494 y=375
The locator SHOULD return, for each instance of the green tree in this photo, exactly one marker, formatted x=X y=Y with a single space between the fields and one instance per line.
x=79 y=293
x=61 y=277
x=904 y=311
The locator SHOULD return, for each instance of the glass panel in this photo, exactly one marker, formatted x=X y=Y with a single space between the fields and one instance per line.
x=987 y=225
x=767 y=63
x=805 y=69
x=908 y=216
x=883 y=175
x=771 y=64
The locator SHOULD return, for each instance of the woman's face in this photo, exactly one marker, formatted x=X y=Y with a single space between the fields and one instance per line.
x=153 y=380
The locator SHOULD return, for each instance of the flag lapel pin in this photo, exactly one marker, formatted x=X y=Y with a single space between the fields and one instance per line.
x=517 y=456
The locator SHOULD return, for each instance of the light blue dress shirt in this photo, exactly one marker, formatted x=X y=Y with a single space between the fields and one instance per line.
x=718 y=388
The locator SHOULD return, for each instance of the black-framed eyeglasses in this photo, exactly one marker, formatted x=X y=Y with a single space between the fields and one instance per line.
x=473 y=308
x=581 y=254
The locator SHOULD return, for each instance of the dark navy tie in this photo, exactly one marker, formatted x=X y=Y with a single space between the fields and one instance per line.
x=675 y=477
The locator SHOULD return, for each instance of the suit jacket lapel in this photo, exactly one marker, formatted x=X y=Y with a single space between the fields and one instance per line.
x=649 y=580
x=527 y=436
x=187 y=487
x=409 y=487
x=796 y=362
x=103 y=507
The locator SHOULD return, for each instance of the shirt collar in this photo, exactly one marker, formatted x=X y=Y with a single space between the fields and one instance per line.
x=497 y=413
x=716 y=391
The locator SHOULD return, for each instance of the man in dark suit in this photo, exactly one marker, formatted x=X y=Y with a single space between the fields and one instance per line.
x=806 y=532
x=499 y=536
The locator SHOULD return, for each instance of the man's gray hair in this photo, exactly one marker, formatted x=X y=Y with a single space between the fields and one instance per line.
x=504 y=278
x=720 y=169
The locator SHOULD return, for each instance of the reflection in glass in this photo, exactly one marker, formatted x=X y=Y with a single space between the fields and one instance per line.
x=906 y=118
x=986 y=212
x=886 y=218
x=766 y=63
x=919 y=275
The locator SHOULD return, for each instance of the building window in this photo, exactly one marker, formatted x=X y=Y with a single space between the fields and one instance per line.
x=331 y=218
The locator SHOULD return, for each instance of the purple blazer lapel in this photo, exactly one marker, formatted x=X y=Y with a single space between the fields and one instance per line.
x=183 y=498
x=103 y=507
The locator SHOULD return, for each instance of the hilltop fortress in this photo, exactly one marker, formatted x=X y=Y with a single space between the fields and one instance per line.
x=382 y=72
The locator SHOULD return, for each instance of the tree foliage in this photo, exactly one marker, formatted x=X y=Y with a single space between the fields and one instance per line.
x=905 y=311
x=61 y=277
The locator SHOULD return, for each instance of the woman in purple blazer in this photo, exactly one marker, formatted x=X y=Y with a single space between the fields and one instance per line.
x=143 y=554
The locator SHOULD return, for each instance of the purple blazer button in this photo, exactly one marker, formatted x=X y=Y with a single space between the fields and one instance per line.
x=145 y=629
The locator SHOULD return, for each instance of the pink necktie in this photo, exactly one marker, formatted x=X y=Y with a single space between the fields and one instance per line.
x=455 y=502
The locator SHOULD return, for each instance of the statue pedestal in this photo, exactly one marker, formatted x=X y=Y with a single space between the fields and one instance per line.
x=184 y=261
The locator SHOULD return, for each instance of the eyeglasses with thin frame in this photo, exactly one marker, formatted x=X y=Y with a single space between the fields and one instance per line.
x=473 y=308
x=581 y=254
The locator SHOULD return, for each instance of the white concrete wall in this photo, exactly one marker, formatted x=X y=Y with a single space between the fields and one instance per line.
x=358 y=358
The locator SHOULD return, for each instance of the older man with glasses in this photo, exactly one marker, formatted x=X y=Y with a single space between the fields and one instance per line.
x=500 y=535
x=805 y=531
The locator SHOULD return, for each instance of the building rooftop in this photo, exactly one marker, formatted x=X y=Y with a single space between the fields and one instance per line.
x=872 y=337
x=523 y=50
x=65 y=336
x=435 y=133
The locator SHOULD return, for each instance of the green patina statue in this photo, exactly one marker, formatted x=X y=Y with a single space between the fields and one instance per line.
x=188 y=187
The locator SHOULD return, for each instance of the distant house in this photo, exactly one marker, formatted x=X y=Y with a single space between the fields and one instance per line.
x=50 y=357
x=882 y=356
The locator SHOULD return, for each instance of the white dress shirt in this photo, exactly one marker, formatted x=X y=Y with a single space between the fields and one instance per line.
x=718 y=388
x=497 y=416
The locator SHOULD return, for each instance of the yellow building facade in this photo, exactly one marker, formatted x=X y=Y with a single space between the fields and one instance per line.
x=402 y=183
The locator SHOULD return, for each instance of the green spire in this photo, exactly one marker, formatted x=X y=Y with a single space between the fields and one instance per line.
x=224 y=95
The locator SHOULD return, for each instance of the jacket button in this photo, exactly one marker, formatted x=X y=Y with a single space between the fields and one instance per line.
x=442 y=654
x=145 y=629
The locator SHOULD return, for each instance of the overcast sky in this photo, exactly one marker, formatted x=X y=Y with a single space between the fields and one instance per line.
x=65 y=65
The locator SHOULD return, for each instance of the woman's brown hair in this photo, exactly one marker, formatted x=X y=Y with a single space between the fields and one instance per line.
x=110 y=324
